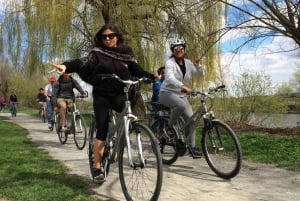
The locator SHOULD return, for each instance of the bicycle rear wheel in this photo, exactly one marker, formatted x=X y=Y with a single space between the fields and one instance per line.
x=62 y=136
x=80 y=132
x=141 y=181
x=166 y=139
x=222 y=149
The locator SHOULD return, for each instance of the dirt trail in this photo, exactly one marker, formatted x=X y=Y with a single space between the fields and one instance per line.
x=187 y=179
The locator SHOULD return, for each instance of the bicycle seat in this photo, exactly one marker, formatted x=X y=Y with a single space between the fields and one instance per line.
x=158 y=109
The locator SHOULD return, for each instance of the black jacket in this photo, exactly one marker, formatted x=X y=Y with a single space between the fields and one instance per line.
x=111 y=61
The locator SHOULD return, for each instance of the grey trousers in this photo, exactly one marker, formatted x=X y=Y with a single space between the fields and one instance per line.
x=179 y=106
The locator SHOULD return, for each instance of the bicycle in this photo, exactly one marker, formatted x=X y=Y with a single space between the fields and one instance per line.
x=43 y=112
x=220 y=145
x=13 y=109
x=133 y=145
x=76 y=126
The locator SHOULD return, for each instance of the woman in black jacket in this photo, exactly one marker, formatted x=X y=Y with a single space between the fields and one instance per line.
x=109 y=56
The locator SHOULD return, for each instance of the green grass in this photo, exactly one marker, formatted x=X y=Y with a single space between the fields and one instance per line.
x=29 y=173
x=282 y=151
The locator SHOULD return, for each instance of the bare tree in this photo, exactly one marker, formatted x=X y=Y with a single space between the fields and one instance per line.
x=263 y=19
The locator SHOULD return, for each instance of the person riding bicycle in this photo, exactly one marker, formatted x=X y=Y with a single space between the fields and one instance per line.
x=63 y=96
x=2 y=103
x=109 y=56
x=178 y=71
x=41 y=98
x=157 y=85
x=13 y=100
x=155 y=91
x=48 y=94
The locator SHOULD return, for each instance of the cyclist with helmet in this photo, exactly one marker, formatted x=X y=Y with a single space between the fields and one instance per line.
x=48 y=93
x=178 y=71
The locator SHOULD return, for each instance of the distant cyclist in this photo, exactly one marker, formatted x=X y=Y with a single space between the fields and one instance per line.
x=41 y=98
x=48 y=93
x=63 y=96
x=2 y=103
x=13 y=100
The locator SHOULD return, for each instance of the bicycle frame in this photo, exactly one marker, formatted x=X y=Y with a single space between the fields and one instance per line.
x=122 y=128
x=202 y=112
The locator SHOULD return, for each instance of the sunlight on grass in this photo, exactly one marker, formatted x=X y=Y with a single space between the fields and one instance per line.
x=29 y=173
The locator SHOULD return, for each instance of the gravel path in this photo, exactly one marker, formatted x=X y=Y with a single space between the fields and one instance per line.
x=187 y=179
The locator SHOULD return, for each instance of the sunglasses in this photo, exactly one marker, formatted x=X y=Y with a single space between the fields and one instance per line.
x=178 y=48
x=109 y=36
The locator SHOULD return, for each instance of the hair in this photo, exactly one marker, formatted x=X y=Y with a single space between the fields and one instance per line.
x=160 y=69
x=98 y=37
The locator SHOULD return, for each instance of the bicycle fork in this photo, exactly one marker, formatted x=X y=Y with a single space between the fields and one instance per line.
x=209 y=126
x=127 y=121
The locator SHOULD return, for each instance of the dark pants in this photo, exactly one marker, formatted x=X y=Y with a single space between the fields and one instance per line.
x=102 y=105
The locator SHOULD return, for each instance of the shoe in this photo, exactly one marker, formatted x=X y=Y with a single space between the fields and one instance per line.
x=50 y=126
x=195 y=152
x=98 y=176
x=64 y=128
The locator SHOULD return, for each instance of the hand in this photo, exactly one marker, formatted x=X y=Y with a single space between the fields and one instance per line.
x=58 y=68
x=186 y=89
x=197 y=58
x=157 y=77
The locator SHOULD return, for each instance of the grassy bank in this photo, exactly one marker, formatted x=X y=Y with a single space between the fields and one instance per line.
x=282 y=151
x=29 y=173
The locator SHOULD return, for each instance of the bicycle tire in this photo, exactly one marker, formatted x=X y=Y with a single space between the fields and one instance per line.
x=80 y=132
x=167 y=141
x=13 y=112
x=221 y=149
x=43 y=115
x=54 y=122
x=62 y=136
x=91 y=136
x=140 y=182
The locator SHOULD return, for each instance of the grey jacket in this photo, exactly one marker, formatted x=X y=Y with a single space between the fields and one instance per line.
x=173 y=75
x=63 y=88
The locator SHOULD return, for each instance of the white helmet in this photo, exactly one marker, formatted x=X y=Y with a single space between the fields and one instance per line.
x=175 y=42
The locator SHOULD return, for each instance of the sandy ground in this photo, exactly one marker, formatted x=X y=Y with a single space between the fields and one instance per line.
x=187 y=179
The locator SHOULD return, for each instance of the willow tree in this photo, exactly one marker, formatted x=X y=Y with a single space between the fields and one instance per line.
x=63 y=29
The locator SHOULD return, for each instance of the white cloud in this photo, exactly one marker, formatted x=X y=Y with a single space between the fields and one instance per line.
x=279 y=66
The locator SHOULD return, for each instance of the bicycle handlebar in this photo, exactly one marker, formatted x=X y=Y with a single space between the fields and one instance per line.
x=211 y=91
x=127 y=82
x=83 y=96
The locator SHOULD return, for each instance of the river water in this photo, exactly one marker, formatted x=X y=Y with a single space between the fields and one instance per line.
x=282 y=121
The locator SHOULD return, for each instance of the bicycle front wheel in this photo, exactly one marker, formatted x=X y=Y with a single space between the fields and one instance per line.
x=222 y=150
x=91 y=136
x=141 y=180
x=62 y=136
x=80 y=132
x=43 y=115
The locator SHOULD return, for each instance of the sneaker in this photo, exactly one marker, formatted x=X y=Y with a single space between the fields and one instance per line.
x=98 y=176
x=64 y=128
x=50 y=126
x=195 y=152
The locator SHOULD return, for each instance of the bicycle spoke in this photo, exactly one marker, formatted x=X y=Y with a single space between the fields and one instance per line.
x=80 y=132
x=222 y=150
x=142 y=181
